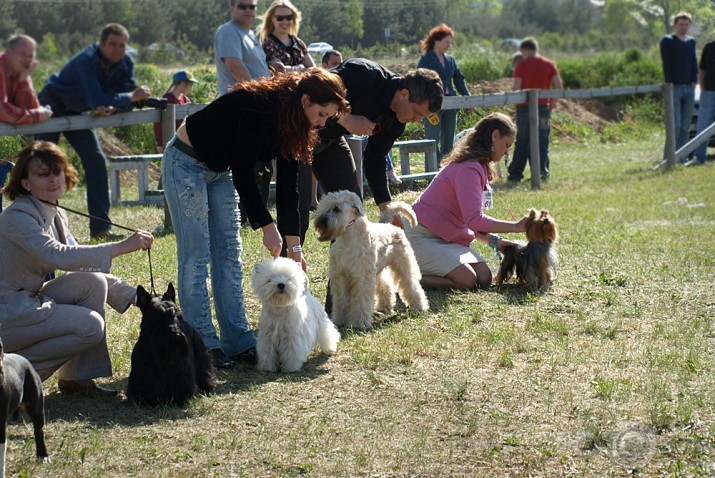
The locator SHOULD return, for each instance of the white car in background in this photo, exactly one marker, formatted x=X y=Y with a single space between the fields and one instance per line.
x=319 y=48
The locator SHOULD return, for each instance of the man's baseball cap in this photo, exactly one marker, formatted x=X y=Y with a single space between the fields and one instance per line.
x=183 y=75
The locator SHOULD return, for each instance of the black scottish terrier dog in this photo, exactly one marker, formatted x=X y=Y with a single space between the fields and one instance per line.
x=20 y=387
x=170 y=363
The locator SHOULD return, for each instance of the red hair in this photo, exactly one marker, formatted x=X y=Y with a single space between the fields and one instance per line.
x=297 y=135
x=435 y=35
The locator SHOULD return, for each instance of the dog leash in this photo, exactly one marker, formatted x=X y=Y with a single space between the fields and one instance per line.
x=119 y=226
x=494 y=240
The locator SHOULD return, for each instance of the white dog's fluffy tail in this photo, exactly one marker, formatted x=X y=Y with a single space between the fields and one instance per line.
x=328 y=335
x=398 y=207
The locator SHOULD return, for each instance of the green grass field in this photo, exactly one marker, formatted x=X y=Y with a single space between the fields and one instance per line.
x=610 y=373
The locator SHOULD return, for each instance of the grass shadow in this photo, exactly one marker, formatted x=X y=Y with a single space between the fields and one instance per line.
x=244 y=378
x=439 y=298
x=110 y=411
x=107 y=412
x=516 y=294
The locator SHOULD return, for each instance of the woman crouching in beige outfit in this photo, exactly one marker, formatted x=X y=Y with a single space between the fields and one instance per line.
x=59 y=323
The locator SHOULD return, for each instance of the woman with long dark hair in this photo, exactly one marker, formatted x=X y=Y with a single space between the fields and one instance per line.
x=209 y=165
x=286 y=52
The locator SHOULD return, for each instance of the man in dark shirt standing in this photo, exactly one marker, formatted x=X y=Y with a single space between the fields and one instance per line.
x=680 y=67
x=99 y=79
x=706 y=110
x=381 y=104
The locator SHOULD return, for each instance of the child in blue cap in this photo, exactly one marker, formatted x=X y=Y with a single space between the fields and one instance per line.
x=181 y=84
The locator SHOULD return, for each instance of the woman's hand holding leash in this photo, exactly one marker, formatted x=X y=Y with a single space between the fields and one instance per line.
x=139 y=240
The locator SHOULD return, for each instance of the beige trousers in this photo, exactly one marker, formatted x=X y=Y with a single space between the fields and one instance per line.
x=73 y=337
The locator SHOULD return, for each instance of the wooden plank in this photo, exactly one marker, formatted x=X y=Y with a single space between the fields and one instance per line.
x=139 y=158
x=692 y=145
x=73 y=123
x=534 y=158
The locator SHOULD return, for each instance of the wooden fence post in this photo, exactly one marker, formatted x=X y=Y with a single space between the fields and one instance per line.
x=669 y=153
x=168 y=127
x=534 y=158
x=356 y=143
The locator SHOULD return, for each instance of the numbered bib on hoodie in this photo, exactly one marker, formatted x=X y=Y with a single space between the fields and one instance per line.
x=487 y=200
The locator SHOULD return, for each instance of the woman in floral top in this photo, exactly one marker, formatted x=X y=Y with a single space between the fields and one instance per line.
x=284 y=50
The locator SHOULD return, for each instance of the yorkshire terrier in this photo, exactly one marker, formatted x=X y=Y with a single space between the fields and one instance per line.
x=535 y=262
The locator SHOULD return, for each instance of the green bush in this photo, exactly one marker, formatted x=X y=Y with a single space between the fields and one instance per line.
x=149 y=75
x=481 y=68
x=644 y=72
x=138 y=137
x=11 y=145
x=629 y=68
x=206 y=91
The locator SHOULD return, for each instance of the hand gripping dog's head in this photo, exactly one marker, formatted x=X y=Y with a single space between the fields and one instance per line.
x=161 y=315
x=278 y=282
x=336 y=211
x=541 y=227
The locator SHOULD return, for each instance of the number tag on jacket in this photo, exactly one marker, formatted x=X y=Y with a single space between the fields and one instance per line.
x=487 y=202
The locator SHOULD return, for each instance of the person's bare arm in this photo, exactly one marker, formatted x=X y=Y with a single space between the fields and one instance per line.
x=556 y=83
x=238 y=69
x=516 y=84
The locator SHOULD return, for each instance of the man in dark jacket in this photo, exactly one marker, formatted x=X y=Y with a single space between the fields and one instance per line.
x=97 y=80
x=381 y=103
x=680 y=67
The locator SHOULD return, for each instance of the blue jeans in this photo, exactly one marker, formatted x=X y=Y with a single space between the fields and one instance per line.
x=443 y=133
x=522 y=148
x=683 y=109
x=204 y=210
x=706 y=113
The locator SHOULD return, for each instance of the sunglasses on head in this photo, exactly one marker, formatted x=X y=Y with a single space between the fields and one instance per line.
x=280 y=18
x=246 y=6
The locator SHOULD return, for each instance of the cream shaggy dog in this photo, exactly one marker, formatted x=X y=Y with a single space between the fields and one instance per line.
x=366 y=259
x=292 y=321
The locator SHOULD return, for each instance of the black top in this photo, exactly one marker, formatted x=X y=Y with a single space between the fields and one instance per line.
x=370 y=89
x=234 y=132
x=680 y=66
x=707 y=64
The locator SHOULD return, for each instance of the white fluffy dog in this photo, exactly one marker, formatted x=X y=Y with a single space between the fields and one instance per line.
x=366 y=258
x=292 y=321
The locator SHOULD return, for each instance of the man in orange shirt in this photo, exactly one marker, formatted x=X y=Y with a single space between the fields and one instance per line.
x=533 y=72
x=18 y=100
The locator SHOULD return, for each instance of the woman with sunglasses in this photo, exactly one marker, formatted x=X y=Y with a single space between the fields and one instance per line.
x=209 y=165
x=286 y=52
x=278 y=30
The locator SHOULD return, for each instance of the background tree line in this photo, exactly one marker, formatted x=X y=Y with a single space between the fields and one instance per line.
x=63 y=27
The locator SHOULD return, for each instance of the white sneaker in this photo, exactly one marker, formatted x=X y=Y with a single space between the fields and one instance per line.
x=693 y=162
x=393 y=177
